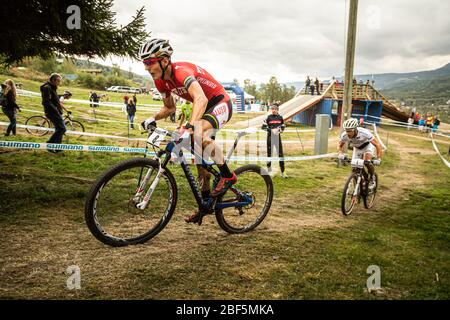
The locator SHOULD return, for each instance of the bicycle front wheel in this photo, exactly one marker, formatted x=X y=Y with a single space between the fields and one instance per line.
x=348 y=200
x=111 y=211
x=252 y=181
x=74 y=125
x=41 y=123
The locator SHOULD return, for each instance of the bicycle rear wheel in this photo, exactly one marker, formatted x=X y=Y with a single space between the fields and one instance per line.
x=74 y=125
x=38 y=121
x=255 y=182
x=348 y=201
x=111 y=211
x=369 y=199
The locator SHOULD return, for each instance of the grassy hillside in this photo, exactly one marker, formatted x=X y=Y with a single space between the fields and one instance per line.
x=422 y=92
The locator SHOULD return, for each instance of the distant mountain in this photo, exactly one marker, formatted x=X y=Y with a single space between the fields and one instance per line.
x=385 y=81
x=86 y=64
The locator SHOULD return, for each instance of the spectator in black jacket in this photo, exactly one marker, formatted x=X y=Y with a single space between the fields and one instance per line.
x=317 y=85
x=94 y=98
x=131 y=111
x=274 y=124
x=52 y=109
x=9 y=105
x=307 y=85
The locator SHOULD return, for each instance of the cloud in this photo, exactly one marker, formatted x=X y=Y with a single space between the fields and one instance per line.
x=289 y=39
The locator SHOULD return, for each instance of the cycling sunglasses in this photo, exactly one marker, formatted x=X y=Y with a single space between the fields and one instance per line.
x=151 y=61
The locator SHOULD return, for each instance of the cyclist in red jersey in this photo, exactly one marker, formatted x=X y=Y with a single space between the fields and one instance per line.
x=211 y=108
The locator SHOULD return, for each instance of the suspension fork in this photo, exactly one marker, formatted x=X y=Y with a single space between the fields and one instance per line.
x=143 y=204
x=358 y=182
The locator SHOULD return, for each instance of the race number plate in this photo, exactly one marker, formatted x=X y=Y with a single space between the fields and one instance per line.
x=157 y=136
x=357 y=163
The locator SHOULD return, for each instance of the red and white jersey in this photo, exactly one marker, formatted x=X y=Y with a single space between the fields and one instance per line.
x=183 y=74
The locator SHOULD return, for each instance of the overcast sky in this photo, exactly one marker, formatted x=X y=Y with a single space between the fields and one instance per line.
x=289 y=39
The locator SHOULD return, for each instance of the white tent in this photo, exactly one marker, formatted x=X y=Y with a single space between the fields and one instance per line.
x=248 y=96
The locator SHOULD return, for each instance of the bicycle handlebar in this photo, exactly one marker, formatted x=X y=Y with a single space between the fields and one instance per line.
x=348 y=160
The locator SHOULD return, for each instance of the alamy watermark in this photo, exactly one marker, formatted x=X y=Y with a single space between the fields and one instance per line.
x=374 y=281
x=74 y=280
x=73 y=22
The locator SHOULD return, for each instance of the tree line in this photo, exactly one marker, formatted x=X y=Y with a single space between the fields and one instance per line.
x=272 y=91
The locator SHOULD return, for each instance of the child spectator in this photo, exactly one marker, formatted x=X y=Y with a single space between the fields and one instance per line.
x=421 y=124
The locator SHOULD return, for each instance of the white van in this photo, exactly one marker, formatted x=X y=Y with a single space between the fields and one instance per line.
x=123 y=89
x=112 y=89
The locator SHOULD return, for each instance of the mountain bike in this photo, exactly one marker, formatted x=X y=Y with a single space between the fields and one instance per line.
x=358 y=186
x=45 y=124
x=131 y=202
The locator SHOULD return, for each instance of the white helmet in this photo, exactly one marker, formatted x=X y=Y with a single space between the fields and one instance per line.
x=351 y=123
x=155 y=48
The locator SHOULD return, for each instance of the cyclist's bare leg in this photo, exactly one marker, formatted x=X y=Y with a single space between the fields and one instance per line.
x=204 y=179
x=370 y=167
x=211 y=148
x=208 y=143
x=214 y=152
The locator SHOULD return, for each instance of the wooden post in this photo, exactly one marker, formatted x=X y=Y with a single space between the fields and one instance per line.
x=349 y=61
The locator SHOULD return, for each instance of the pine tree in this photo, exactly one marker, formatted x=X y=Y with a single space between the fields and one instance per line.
x=30 y=28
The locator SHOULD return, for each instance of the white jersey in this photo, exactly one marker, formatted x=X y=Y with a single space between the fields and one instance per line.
x=362 y=136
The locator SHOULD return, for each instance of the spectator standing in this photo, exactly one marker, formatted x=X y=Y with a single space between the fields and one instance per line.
x=307 y=85
x=186 y=112
x=125 y=104
x=410 y=123
x=436 y=123
x=429 y=121
x=52 y=109
x=274 y=125
x=361 y=122
x=90 y=99
x=317 y=84
x=131 y=112
x=9 y=105
x=421 y=124
x=417 y=117
x=95 y=99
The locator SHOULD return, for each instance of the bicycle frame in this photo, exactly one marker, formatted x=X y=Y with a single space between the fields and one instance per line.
x=360 y=173
x=205 y=205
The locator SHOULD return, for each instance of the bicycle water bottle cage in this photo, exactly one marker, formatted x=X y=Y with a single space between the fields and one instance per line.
x=358 y=163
